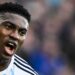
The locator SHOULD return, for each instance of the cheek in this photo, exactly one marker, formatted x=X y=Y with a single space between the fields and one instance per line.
x=2 y=38
x=2 y=33
x=21 y=41
x=5 y=32
x=20 y=44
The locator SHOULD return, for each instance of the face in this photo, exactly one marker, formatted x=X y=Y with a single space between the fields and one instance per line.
x=13 y=30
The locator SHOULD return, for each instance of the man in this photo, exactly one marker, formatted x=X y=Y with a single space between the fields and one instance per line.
x=14 y=24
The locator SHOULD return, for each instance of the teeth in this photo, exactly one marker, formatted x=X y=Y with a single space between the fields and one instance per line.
x=11 y=44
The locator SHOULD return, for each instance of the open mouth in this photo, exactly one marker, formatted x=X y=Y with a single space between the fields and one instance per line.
x=10 y=47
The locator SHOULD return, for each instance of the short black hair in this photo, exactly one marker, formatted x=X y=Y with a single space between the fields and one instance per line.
x=15 y=8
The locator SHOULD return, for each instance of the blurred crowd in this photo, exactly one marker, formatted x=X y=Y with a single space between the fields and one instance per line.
x=42 y=47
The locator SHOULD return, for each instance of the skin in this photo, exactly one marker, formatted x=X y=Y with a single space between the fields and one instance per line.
x=12 y=27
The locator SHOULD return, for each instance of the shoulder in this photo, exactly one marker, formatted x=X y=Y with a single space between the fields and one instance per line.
x=23 y=65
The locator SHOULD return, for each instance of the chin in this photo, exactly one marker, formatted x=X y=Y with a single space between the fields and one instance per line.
x=6 y=57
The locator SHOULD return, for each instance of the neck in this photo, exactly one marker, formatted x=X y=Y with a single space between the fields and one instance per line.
x=4 y=63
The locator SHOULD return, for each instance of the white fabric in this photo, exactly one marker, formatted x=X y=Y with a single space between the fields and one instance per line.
x=14 y=70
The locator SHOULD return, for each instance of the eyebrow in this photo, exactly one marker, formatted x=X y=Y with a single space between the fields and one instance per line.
x=14 y=26
x=9 y=23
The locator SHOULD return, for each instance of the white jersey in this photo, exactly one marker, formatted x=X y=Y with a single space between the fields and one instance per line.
x=18 y=66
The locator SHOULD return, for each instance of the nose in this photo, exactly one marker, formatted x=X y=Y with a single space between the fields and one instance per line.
x=14 y=34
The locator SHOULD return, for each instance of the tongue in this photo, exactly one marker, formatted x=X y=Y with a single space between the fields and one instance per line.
x=9 y=50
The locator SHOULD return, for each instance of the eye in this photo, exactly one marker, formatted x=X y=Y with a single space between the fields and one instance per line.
x=22 y=32
x=8 y=25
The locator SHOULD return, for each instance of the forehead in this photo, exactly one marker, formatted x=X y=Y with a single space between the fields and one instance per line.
x=15 y=19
